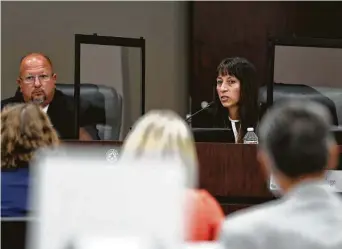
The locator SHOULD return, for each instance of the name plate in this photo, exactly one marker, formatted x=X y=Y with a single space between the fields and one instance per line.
x=333 y=178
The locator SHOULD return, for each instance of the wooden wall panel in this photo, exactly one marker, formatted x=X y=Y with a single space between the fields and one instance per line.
x=231 y=170
x=231 y=208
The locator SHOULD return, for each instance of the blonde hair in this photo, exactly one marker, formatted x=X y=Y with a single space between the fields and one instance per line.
x=24 y=129
x=162 y=134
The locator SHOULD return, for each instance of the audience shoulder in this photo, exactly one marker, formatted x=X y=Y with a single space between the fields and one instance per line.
x=247 y=220
x=241 y=232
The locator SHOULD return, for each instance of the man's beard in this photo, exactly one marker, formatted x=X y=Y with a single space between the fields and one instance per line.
x=38 y=99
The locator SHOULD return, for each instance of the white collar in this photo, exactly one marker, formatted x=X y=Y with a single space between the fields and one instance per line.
x=234 y=128
x=234 y=120
x=45 y=108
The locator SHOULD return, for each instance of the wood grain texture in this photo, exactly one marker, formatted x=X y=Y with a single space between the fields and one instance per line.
x=230 y=170
x=231 y=208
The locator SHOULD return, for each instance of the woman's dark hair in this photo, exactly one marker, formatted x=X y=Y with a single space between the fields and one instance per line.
x=245 y=72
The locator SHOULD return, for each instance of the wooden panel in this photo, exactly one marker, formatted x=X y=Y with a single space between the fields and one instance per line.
x=231 y=170
x=319 y=19
x=93 y=143
x=231 y=208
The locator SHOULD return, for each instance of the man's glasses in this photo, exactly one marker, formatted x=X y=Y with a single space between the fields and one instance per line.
x=32 y=78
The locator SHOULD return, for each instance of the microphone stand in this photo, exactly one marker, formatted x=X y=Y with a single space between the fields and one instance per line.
x=199 y=111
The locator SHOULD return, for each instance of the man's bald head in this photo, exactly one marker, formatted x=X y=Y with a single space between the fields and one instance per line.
x=36 y=78
x=35 y=56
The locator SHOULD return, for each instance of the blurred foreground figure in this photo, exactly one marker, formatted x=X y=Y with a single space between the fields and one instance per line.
x=296 y=147
x=24 y=129
x=164 y=135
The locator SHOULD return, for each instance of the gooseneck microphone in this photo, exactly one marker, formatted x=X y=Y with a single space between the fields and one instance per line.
x=204 y=105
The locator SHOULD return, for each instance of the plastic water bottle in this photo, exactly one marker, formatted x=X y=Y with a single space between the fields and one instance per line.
x=250 y=137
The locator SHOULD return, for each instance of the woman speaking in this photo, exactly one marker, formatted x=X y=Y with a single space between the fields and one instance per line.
x=236 y=96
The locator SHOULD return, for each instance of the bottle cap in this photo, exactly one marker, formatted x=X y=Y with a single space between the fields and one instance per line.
x=250 y=129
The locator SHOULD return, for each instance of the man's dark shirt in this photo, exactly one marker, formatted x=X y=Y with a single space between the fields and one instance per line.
x=61 y=112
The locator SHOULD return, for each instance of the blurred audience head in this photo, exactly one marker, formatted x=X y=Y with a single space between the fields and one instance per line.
x=296 y=142
x=37 y=79
x=162 y=135
x=24 y=129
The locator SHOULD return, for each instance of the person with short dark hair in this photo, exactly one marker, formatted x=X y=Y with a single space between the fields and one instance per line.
x=236 y=96
x=295 y=147
x=298 y=139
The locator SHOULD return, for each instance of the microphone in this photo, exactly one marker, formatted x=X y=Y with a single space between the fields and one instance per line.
x=204 y=105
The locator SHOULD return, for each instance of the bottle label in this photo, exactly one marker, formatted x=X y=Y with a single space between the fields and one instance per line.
x=250 y=142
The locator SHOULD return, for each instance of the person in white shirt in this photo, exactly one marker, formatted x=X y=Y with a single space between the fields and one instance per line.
x=295 y=147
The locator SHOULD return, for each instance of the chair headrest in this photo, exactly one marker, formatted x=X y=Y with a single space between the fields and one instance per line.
x=283 y=91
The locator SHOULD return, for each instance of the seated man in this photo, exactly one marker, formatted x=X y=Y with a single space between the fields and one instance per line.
x=296 y=147
x=37 y=85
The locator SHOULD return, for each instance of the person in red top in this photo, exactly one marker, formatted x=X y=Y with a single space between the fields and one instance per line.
x=206 y=218
x=164 y=135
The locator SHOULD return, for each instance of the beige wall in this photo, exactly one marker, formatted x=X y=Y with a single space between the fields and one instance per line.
x=49 y=27
x=308 y=65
